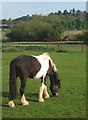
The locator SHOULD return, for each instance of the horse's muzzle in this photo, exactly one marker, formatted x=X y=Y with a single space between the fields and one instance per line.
x=56 y=95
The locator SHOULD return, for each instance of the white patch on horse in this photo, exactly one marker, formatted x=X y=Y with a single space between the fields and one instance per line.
x=44 y=61
x=24 y=101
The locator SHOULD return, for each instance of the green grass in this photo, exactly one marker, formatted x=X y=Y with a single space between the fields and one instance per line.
x=71 y=102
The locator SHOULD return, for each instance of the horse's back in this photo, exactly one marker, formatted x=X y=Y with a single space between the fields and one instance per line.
x=26 y=65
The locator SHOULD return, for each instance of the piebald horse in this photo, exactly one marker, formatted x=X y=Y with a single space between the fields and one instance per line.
x=25 y=66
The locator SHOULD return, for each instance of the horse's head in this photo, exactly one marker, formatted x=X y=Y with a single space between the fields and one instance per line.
x=55 y=83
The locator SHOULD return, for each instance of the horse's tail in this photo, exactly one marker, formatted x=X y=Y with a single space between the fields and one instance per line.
x=12 y=82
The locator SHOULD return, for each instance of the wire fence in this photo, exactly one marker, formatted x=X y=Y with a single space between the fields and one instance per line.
x=61 y=46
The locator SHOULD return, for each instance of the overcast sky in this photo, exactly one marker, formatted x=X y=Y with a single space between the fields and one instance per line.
x=18 y=9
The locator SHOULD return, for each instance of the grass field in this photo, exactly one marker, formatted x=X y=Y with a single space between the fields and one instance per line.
x=71 y=102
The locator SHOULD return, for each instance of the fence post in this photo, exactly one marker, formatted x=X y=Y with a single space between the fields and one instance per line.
x=82 y=47
x=58 y=47
x=47 y=46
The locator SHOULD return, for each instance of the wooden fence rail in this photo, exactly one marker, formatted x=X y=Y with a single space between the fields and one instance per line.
x=59 y=45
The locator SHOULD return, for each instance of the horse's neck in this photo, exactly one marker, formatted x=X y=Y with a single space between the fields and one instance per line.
x=53 y=65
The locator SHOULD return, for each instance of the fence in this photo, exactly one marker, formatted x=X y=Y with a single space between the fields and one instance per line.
x=61 y=46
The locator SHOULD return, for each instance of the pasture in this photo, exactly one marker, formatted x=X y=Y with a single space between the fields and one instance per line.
x=71 y=102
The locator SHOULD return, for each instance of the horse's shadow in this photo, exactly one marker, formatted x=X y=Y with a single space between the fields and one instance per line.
x=5 y=94
x=30 y=97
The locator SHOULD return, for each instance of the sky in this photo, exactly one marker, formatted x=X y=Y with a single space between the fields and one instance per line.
x=18 y=9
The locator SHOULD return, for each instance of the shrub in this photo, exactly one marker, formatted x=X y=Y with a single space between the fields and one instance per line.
x=82 y=37
x=35 y=30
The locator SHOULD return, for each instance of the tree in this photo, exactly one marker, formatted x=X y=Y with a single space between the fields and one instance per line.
x=79 y=14
x=78 y=24
x=65 y=12
x=72 y=12
x=59 y=12
x=9 y=23
x=4 y=21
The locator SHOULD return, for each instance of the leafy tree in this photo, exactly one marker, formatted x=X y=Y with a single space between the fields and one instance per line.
x=79 y=14
x=78 y=23
x=65 y=12
x=59 y=12
x=4 y=21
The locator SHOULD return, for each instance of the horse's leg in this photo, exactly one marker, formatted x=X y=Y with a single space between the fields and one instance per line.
x=46 y=95
x=41 y=92
x=11 y=100
x=23 y=99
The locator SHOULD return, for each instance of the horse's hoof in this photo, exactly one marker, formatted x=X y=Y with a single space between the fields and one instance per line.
x=41 y=100
x=46 y=96
x=11 y=104
x=25 y=103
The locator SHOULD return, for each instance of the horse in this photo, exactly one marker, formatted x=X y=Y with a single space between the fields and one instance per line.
x=30 y=66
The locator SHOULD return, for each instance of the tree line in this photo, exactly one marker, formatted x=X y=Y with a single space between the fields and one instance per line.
x=46 y=28
x=74 y=19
